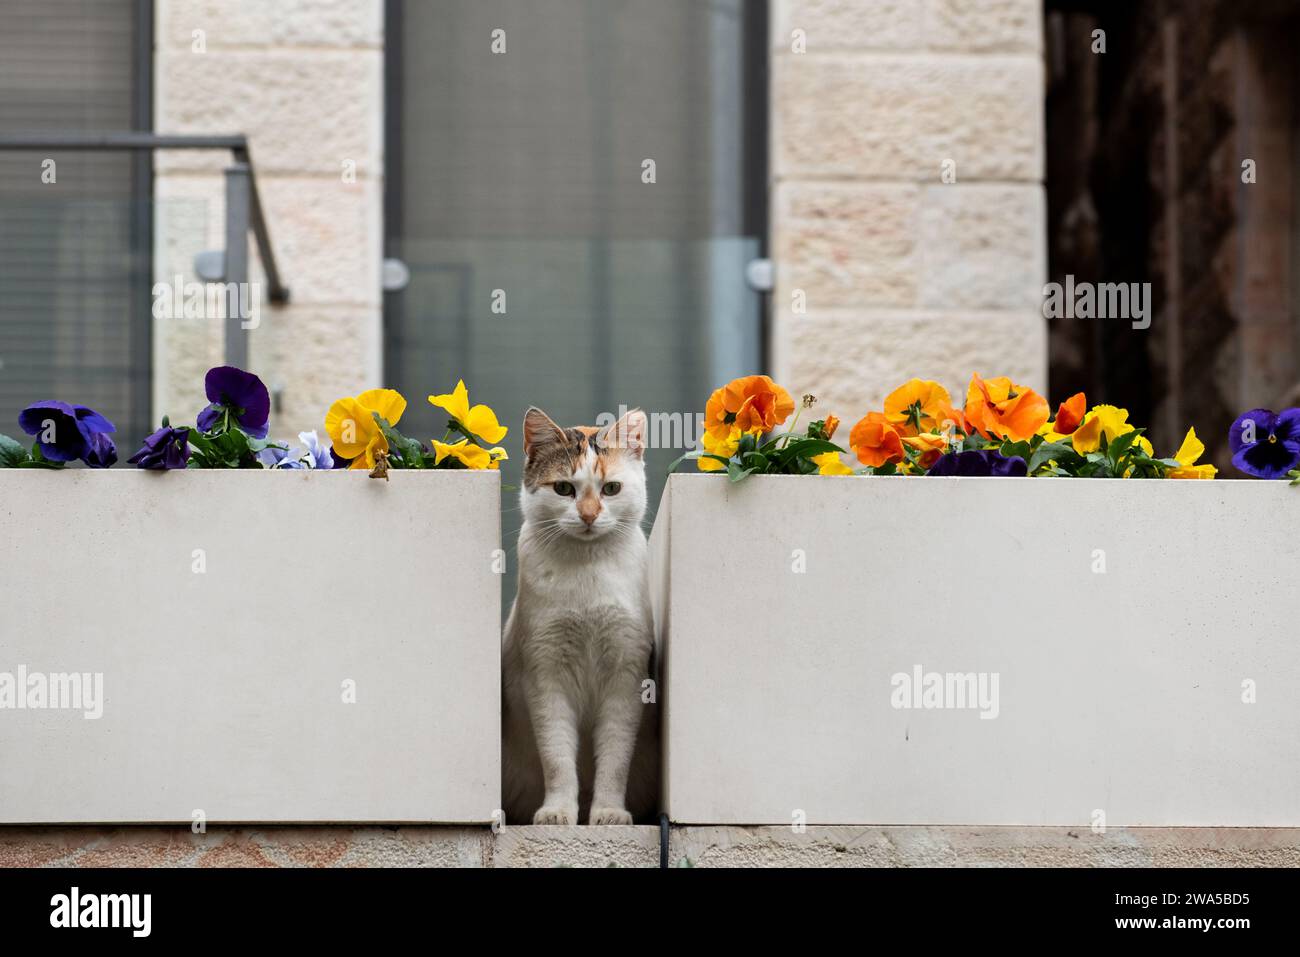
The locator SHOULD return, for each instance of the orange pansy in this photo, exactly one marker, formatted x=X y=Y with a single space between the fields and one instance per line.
x=829 y=426
x=751 y=403
x=1000 y=407
x=917 y=406
x=875 y=440
x=1069 y=414
x=931 y=445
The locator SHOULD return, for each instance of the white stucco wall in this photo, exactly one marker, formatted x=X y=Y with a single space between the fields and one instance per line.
x=304 y=80
x=904 y=274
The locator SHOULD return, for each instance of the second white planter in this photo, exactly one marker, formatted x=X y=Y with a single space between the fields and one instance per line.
x=980 y=651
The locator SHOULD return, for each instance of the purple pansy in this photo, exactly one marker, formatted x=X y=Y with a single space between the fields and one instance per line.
x=310 y=455
x=979 y=462
x=320 y=455
x=167 y=448
x=239 y=393
x=102 y=452
x=71 y=430
x=1266 y=444
x=280 y=457
x=272 y=456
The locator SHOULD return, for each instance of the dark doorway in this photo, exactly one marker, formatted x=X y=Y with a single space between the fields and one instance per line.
x=1171 y=159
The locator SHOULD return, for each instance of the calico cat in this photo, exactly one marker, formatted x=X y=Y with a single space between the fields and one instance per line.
x=579 y=642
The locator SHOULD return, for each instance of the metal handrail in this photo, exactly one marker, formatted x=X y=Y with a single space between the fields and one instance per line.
x=243 y=203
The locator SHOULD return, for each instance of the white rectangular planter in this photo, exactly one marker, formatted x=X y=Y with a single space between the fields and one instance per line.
x=230 y=613
x=1127 y=623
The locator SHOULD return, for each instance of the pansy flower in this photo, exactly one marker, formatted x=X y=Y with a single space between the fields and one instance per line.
x=829 y=463
x=1002 y=408
x=65 y=433
x=101 y=453
x=876 y=441
x=1186 y=456
x=979 y=462
x=928 y=446
x=919 y=405
x=235 y=394
x=713 y=444
x=465 y=452
x=751 y=403
x=1266 y=444
x=167 y=448
x=477 y=420
x=1105 y=421
x=1069 y=415
x=352 y=428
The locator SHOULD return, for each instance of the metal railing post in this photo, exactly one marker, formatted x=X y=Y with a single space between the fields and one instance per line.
x=243 y=212
x=236 y=264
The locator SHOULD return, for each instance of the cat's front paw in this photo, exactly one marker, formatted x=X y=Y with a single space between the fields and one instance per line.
x=556 y=815
x=609 y=815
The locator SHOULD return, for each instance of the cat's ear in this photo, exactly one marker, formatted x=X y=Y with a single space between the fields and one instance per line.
x=628 y=433
x=539 y=429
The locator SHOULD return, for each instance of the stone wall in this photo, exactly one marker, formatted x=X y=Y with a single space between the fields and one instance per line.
x=693 y=846
x=885 y=270
x=304 y=80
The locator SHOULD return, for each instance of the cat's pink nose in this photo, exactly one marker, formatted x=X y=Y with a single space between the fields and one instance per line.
x=588 y=509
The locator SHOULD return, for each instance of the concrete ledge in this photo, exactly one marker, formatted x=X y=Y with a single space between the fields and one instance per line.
x=711 y=846
x=983 y=847
x=288 y=846
x=606 y=846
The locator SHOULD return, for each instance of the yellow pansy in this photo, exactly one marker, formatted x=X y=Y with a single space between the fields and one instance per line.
x=1187 y=454
x=479 y=420
x=352 y=427
x=829 y=463
x=498 y=456
x=726 y=447
x=465 y=452
x=1104 y=420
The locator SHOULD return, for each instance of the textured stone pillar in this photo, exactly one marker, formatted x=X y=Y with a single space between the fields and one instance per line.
x=886 y=268
x=304 y=80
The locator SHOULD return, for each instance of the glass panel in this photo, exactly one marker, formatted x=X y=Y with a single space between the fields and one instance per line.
x=633 y=323
x=520 y=180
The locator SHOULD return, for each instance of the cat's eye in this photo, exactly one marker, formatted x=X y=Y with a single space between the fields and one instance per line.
x=611 y=488
x=563 y=488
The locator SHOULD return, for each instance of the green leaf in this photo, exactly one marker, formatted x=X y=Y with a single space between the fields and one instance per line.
x=1120 y=445
x=37 y=460
x=222 y=450
x=682 y=458
x=1049 y=451
x=804 y=448
x=409 y=454
x=736 y=473
x=1020 y=449
x=12 y=453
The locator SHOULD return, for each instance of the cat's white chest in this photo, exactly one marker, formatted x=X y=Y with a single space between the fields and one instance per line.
x=595 y=612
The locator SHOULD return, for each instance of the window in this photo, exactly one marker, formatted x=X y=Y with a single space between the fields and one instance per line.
x=576 y=209
x=75 y=229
